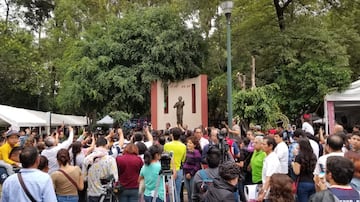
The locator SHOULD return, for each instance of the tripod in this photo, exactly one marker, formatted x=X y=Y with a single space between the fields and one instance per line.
x=108 y=194
x=164 y=176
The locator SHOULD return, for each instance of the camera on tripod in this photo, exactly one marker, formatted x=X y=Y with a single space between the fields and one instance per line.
x=165 y=161
x=223 y=145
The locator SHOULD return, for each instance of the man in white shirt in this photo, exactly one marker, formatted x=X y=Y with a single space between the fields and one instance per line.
x=282 y=151
x=38 y=183
x=52 y=149
x=198 y=132
x=306 y=126
x=139 y=137
x=334 y=144
x=271 y=166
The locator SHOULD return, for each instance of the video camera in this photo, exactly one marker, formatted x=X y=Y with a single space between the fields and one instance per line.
x=165 y=161
x=223 y=145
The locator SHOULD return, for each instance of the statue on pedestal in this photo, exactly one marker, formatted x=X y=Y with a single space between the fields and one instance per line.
x=179 y=105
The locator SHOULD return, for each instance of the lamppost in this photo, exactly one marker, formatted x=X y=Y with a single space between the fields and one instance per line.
x=226 y=7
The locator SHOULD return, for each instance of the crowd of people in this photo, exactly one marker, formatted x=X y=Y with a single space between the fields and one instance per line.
x=210 y=164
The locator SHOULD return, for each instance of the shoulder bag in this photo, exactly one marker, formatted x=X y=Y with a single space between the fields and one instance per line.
x=25 y=188
x=69 y=178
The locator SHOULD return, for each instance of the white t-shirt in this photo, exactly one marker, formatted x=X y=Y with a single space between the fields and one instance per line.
x=203 y=141
x=315 y=147
x=321 y=162
x=148 y=143
x=308 y=128
x=282 y=152
x=271 y=165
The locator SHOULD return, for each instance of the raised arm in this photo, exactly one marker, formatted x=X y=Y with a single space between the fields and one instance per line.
x=92 y=146
x=66 y=144
x=121 y=137
x=148 y=135
x=111 y=135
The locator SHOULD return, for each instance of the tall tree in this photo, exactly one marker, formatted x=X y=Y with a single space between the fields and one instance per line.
x=112 y=67
x=23 y=78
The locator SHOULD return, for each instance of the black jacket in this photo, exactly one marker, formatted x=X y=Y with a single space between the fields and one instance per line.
x=220 y=191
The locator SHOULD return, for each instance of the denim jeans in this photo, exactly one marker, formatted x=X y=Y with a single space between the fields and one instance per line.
x=178 y=182
x=150 y=198
x=304 y=191
x=129 y=195
x=189 y=186
x=67 y=198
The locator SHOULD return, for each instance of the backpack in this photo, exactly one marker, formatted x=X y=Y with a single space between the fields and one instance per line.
x=205 y=181
x=3 y=174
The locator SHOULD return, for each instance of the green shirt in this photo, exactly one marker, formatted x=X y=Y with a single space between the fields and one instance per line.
x=151 y=174
x=179 y=152
x=256 y=163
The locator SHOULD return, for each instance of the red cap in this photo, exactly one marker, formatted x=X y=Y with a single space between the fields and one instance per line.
x=306 y=116
x=272 y=131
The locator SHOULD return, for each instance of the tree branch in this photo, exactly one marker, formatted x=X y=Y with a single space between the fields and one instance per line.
x=286 y=4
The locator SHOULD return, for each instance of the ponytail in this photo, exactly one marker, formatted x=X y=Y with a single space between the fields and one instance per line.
x=150 y=154
x=75 y=149
x=147 y=158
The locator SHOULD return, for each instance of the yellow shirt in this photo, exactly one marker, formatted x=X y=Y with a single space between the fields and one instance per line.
x=5 y=150
x=179 y=152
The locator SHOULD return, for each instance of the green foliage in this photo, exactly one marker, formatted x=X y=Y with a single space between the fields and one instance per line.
x=310 y=60
x=306 y=56
x=257 y=106
x=217 y=97
x=112 y=67
x=23 y=78
x=35 y=11
x=120 y=116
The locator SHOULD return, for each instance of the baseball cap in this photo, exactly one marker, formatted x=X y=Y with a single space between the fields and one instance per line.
x=12 y=132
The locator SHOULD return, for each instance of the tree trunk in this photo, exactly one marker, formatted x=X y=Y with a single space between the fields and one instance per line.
x=280 y=12
x=244 y=82
x=253 y=86
x=39 y=36
x=7 y=3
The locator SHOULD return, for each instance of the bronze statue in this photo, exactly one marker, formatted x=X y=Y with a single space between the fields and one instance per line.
x=179 y=105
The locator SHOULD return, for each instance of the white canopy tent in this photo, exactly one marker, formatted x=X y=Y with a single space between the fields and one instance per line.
x=342 y=107
x=19 y=117
x=107 y=120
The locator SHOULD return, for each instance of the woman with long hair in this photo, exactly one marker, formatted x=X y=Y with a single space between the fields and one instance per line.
x=68 y=179
x=78 y=152
x=129 y=165
x=280 y=188
x=150 y=173
x=303 y=167
x=191 y=164
x=77 y=157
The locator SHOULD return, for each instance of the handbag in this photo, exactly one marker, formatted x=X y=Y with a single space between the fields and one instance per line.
x=251 y=192
x=295 y=185
x=69 y=178
x=25 y=188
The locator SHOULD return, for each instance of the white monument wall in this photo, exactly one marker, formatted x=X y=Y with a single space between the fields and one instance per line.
x=194 y=94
